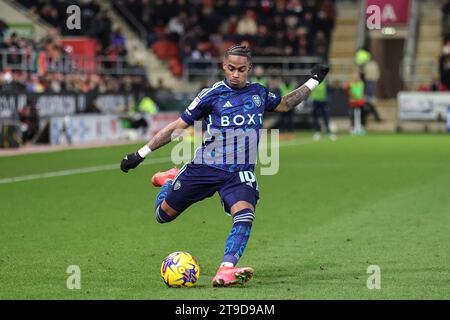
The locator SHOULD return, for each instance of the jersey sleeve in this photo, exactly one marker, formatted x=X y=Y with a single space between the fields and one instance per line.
x=198 y=108
x=272 y=100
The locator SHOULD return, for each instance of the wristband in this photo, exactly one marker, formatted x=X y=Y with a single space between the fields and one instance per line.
x=311 y=83
x=144 y=151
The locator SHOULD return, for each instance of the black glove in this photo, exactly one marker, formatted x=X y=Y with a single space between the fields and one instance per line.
x=130 y=161
x=319 y=72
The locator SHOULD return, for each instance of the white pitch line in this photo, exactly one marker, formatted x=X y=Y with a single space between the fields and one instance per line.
x=115 y=166
x=70 y=172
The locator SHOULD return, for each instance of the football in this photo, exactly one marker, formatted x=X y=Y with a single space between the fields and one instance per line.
x=180 y=269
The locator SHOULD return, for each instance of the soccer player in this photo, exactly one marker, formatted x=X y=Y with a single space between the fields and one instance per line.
x=231 y=105
x=319 y=97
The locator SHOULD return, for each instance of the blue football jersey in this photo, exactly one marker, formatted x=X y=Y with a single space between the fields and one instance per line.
x=232 y=118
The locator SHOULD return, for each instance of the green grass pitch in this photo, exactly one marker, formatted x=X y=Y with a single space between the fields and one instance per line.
x=333 y=209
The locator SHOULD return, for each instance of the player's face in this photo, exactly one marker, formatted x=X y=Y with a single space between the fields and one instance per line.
x=236 y=69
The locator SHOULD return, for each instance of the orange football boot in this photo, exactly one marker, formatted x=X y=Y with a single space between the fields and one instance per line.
x=160 y=178
x=228 y=276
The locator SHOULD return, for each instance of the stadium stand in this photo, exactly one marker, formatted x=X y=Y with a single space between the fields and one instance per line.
x=45 y=66
x=65 y=72
x=49 y=65
x=96 y=22
x=204 y=29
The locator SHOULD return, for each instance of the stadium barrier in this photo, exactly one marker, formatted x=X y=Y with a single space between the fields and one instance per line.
x=79 y=129
x=61 y=104
x=21 y=60
x=65 y=118
x=423 y=111
x=99 y=128
x=448 y=119
x=160 y=120
x=430 y=106
x=10 y=135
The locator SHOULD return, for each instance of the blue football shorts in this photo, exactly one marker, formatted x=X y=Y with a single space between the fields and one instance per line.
x=196 y=182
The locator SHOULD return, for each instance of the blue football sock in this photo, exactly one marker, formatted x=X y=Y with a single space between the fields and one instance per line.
x=160 y=214
x=238 y=237
x=162 y=194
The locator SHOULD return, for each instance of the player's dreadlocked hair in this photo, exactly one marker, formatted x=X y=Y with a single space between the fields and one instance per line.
x=239 y=50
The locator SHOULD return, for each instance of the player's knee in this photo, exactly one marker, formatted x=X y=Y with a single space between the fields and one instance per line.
x=241 y=205
x=162 y=216
x=164 y=213
x=246 y=216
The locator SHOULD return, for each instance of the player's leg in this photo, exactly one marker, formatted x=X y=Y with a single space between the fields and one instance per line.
x=352 y=120
x=228 y=274
x=326 y=120
x=243 y=216
x=191 y=184
x=363 y=115
x=290 y=124
x=326 y=117
x=239 y=196
x=316 y=123
x=163 y=212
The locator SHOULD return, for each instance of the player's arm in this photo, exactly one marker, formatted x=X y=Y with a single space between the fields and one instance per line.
x=292 y=99
x=163 y=137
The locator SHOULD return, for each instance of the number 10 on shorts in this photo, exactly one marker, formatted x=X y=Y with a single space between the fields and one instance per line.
x=248 y=177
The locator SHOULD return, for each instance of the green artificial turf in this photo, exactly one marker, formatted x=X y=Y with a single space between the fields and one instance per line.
x=333 y=209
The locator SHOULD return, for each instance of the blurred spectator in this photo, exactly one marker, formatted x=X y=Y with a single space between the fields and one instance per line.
x=321 y=45
x=362 y=56
x=7 y=80
x=148 y=106
x=44 y=73
x=286 y=86
x=29 y=120
x=95 y=22
x=371 y=75
x=258 y=76
x=326 y=18
x=19 y=81
x=118 y=38
x=162 y=92
x=3 y=28
x=102 y=29
x=319 y=97
x=137 y=119
x=176 y=24
x=446 y=20
x=137 y=56
x=247 y=24
x=34 y=84
x=434 y=85
x=355 y=91
x=444 y=68
x=94 y=106
x=271 y=27
x=303 y=43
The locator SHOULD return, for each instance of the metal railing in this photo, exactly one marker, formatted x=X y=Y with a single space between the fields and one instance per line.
x=409 y=65
x=341 y=69
x=280 y=67
x=22 y=60
x=415 y=79
x=210 y=68
x=362 y=29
